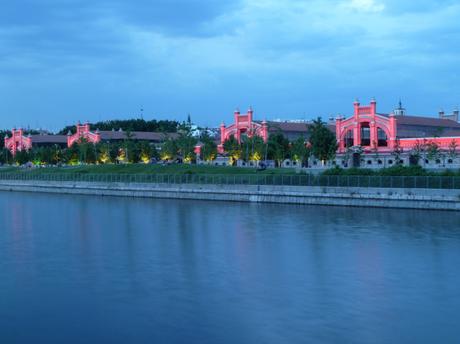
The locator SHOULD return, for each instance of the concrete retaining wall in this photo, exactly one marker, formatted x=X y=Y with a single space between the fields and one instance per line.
x=338 y=196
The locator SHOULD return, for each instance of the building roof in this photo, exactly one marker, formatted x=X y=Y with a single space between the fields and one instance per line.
x=288 y=126
x=57 y=139
x=418 y=127
x=426 y=121
x=136 y=135
x=297 y=127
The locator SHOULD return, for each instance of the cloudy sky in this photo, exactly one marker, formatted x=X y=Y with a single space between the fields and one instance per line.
x=68 y=60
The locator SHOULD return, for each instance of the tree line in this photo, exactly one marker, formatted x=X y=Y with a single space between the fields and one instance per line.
x=164 y=126
x=321 y=143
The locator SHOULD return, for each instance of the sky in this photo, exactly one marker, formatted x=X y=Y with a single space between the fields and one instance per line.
x=62 y=61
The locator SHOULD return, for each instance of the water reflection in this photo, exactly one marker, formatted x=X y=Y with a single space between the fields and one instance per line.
x=141 y=270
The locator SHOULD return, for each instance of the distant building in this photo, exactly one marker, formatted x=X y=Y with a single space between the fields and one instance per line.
x=244 y=125
x=19 y=141
x=370 y=132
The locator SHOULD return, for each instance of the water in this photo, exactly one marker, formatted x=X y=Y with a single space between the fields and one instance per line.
x=76 y=269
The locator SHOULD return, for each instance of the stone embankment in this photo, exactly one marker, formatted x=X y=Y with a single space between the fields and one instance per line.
x=440 y=199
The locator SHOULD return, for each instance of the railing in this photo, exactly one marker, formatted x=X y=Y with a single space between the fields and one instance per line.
x=429 y=182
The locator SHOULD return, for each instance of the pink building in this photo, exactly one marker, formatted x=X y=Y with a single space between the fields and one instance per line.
x=373 y=131
x=18 y=141
x=83 y=132
x=244 y=125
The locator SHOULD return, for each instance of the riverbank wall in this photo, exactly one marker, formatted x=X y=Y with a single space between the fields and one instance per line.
x=440 y=199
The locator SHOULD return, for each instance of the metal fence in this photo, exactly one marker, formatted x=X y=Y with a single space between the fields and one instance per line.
x=429 y=182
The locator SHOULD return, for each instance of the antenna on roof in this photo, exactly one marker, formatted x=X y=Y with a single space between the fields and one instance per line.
x=400 y=111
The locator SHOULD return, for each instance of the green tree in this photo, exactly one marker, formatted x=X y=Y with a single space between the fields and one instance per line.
x=300 y=152
x=186 y=145
x=5 y=156
x=168 y=150
x=209 y=147
x=397 y=151
x=103 y=153
x=253 y=148
x=323 y=141
x=453 y=149
x=71 y=155
x=433 y=151
x=233 y=148
x=278 y=148
x=146 y=151
x=22 y=157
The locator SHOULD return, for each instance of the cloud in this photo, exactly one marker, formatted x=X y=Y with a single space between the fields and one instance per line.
x=365 y=5
x=188 y=55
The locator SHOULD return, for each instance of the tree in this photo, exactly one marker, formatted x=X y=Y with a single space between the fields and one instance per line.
x=397 y=151
x=186 y=145
x=130 y=125
x=300 y=152
x=323 y=141
x=5 y=156
x=87 y=152
x=22 y=157
x=433 y=151
x=278 y=147
x=103 y=153
x=253 y=148
x=209 y=147
x=168 y=150
x=452 y=152
x=146 y=152
x=71 y=155
x=233 y=148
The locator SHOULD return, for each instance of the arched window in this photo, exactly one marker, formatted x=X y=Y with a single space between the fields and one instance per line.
x=365 y=134
x=349 y=139
x=382 y=138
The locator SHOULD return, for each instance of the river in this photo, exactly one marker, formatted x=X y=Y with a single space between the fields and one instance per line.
x=78 y=269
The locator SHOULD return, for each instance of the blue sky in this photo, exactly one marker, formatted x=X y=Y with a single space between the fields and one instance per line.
x=68 y=60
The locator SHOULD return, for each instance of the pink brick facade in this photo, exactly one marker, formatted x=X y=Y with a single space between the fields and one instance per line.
x=83 y=132
x=18 y=142
x=244 y=125
x=374 y=132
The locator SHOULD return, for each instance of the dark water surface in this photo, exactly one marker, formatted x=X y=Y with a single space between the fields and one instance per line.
x=76 y=269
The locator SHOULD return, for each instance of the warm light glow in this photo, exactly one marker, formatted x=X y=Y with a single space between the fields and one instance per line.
x=256 y=156
x=145 y=158
x=211 y=157
x=104 y=157
x=121 y=155
x=165 y=156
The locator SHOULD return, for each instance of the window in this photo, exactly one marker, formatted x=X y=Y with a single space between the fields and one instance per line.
x=450 y=161
x=382 y=138
x=365 y=134
x=390 y=162
x=438 y=161
x=379 y=162
x=369 y=162
x=349 y=140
